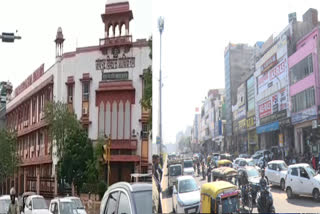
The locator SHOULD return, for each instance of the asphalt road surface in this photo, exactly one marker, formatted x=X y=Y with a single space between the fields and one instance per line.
x=281 y=203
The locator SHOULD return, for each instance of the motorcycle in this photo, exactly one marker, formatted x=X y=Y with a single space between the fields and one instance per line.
x=265 y=200
x=246 y=197
x=209 y=173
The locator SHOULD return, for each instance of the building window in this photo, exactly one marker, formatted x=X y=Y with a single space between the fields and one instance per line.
x=85 y=95
x=145 y=131
x=301 y=70
x=303 y=100
x=70 y=94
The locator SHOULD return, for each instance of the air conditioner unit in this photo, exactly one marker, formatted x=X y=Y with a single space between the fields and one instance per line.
x=70 y=99
x=85 y=111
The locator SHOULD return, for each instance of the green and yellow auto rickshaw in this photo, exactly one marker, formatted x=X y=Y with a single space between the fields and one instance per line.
x=224 y=162
x=219 y=197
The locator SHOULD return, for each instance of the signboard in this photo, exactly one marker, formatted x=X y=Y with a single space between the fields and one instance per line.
x=269 y=63
x=308 y=114
x=115 y=76
x=314 y=124
x=281 y=140
x=115 y=63
x=31 y=79
x=158 y=140
x=251 y=122
x=276 y=74
x=265 y=109
x=242 y=125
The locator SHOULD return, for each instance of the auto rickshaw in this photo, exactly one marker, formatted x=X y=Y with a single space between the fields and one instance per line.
x=219 y=197
x=226 y=174
x=224 y=162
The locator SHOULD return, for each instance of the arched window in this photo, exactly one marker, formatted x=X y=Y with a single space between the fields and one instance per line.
x=114 y=120
x=110 y=31
x=108 y=119
x=127 y=120
x=101 y=120
x=117 y=30
x=120 y=121
x=123 y=30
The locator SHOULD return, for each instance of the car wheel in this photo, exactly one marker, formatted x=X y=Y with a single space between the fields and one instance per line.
x=315 y=194
x=282 y=184
x=289 y=193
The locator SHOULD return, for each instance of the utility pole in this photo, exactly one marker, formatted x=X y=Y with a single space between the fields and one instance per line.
x=160 y=26
x=9 y=37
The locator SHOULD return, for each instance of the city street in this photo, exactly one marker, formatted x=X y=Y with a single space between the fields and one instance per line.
x=281 y=203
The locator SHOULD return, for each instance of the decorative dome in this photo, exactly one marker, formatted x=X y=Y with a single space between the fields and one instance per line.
x=59 y=34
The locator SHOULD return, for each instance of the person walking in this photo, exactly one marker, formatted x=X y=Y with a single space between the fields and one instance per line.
x=314 y=162
x=13 y=207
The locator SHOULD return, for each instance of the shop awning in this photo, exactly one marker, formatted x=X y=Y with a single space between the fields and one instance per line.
x=268 y=128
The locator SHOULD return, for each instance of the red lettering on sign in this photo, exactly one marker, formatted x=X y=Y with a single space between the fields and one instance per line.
x=265 y=109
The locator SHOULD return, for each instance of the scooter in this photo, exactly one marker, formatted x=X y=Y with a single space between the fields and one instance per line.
x=265 y=200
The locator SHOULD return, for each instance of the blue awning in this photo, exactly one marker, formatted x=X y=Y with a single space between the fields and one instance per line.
x=268 y=128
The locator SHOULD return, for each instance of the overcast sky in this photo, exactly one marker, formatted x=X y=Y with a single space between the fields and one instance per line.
x=37 y=22
x=194 y=38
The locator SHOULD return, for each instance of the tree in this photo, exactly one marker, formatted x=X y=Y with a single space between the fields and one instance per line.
x=61 y=123
x=146 y=100
x=77 y=154
x=8 y=154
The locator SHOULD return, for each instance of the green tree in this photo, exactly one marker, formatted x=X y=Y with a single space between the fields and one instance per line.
x=8 y=154
x=61 y=123
x=146 y=100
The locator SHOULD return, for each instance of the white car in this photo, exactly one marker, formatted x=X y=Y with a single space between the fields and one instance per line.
x=276 y=172
x=35 y=204
x=236 y=162
x=62 y=206
x=186 y=195
x=302 y=180
x=4 y=204
x=78 y=204
x=174 y=172
x=188 y=167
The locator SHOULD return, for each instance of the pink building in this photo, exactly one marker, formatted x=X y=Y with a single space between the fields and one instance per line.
x=304 y=92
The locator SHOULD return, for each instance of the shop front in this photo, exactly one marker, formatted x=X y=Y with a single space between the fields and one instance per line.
x=253 y=145
x=243 y=138
x=269 y=134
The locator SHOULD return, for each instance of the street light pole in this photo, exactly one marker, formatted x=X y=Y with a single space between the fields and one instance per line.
x=160 y=26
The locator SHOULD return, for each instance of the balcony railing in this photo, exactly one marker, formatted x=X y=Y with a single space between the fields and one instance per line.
x=114 y=41
x=36 y=160
x=124 y=144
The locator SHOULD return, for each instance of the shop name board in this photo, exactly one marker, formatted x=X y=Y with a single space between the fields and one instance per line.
x=115 y=76
x=265 y=109
x=308 y=114
x=242 y=125
x=274 y=117
x=116 y=63
x=31 y=79
x=269 y=63
x=251 y=122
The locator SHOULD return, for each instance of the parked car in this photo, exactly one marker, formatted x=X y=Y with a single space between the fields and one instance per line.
x=78 y=204
x=4 y=204
x=244 y=156
x=236 y=162
x=276 y=172
x=188 y=167
x=186 y=195
x=35 y=204
x=174 y=172
x=301 y=179
x=22 y=200
x=123 y=197
x=62 y=206
x=256 y=158
x=265 y=152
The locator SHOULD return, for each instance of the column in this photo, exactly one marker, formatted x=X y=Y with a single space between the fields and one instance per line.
x=24 y=180
x=38 y=179
x=55 y=185
x=72 y=187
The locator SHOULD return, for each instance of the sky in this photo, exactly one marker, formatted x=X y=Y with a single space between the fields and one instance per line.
x=37 y=22
x=193 y=42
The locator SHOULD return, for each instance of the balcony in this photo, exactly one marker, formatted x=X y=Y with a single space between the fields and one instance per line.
x=124 y=144
x=31 y=128
x=36 y=160
x=115 y=41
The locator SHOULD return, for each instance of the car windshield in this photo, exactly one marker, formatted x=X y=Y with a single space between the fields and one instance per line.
x=175 y=170
x=187 y=164
x=78 y=204
x=253 y=172
x=143 y=201
x=4 y=205
x=311 y=171
x=39 y=203
x=188 y=185
x=250 y=163
x=67 y=208
x=283 y=166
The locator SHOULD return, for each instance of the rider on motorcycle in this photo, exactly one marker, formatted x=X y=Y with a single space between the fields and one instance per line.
x=263 y=181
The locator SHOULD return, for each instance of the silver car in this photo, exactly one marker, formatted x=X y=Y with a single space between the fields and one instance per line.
x=186 y=195
x=4 y=204
x=174 y=172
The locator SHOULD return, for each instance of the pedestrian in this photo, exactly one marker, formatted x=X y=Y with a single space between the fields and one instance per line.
x=13 y=207
x=314 y=162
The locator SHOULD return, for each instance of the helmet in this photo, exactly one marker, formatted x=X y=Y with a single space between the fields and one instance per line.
x=12 y=191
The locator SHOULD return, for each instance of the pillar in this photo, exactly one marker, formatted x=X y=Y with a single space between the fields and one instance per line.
x=55 y=185
x=24 y=181
x=72 y=187
x=38 y=180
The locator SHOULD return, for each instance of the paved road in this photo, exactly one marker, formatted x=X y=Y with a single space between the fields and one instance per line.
x=281 y=203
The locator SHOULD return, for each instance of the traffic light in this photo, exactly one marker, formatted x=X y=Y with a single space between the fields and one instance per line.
x=9 y=37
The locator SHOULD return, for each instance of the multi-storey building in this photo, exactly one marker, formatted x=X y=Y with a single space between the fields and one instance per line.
x=5 y=93
x=103 y=86
x=237 y=61
x=219 y=121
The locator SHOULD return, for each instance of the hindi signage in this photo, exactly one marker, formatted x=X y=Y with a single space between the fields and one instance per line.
x=115 y=63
